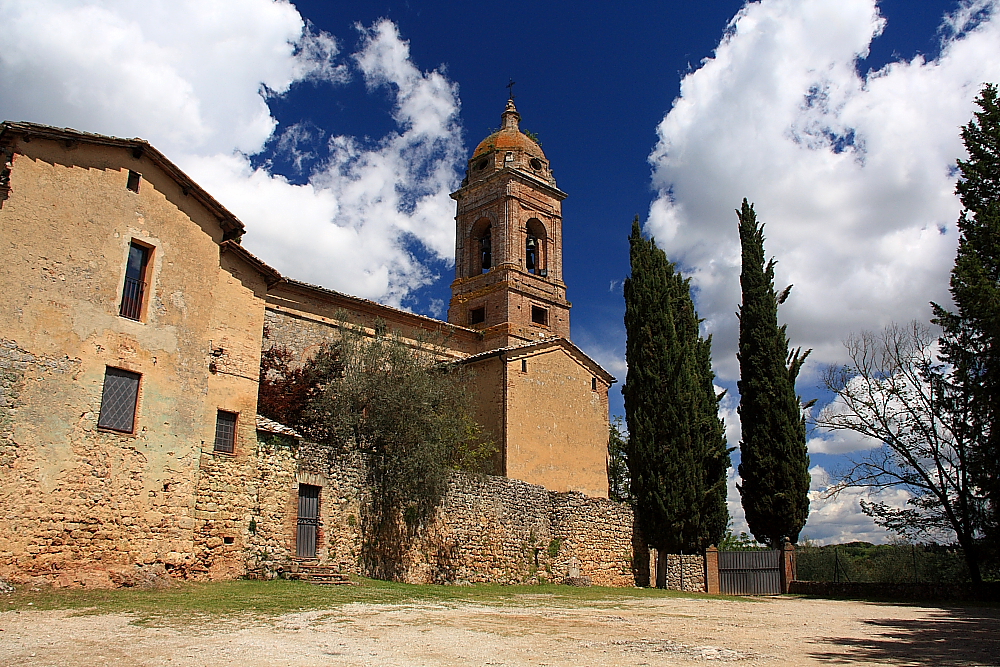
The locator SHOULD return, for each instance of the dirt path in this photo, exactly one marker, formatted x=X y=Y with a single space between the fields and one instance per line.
x=537 y=631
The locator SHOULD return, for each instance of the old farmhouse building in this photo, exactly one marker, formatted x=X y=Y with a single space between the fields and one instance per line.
x=130 y=343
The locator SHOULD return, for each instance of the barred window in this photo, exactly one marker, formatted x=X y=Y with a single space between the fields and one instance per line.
x=134 y=290
x=225 y=431
x=118 y=400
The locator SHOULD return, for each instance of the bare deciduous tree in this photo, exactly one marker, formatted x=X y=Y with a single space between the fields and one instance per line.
x=897 y=392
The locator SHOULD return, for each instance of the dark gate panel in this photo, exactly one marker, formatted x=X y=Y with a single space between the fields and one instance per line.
x=305 y=542
x=750 y=572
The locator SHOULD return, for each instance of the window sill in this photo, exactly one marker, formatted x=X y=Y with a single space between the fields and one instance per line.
x=111 y=431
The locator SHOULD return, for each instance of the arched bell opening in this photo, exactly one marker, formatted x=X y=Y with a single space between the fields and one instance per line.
x=536 y=248
x=481 y=246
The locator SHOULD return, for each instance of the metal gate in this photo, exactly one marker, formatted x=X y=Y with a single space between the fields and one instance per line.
x=750 y=572
x=308 y=523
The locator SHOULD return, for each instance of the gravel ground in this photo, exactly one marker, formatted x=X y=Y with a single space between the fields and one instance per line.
x=538 y=630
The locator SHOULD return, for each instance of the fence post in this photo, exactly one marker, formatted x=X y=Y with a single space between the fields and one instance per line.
x=787 y=566
x=712 y=570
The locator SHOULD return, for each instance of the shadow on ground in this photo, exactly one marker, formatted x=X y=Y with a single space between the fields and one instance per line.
x=957 y=637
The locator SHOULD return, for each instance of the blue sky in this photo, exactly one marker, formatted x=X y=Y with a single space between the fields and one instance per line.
x=335 y=131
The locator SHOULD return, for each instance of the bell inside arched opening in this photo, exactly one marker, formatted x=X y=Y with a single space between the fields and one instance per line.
x=535 y=248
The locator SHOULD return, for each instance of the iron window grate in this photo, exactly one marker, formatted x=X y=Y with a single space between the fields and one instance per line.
x=225 y=431
x=118 y=400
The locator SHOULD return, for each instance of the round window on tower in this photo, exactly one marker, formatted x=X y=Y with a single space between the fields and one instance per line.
x=536 y=164
x=481 y=164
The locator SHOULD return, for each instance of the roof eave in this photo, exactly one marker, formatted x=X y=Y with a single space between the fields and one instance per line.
x=140 y=147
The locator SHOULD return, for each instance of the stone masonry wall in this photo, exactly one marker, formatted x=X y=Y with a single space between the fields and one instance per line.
x=677 y=572
x=500 y=530
x=599 y=534
x=686 y=573
x=487 y=529
x=94 y=524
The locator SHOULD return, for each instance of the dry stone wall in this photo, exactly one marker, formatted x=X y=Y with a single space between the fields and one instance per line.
x=686 y=573
x=500 y=530
x=487 y=529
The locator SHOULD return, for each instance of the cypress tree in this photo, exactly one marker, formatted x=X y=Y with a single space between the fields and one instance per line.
x=774 y=464
x=677 y=456
x=715 y=456
x=970 y=340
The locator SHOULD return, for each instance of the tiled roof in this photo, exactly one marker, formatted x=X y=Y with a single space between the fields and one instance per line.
x=270 y=426
x=565 y=343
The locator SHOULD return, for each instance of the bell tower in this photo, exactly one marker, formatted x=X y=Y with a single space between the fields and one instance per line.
x=508 y=242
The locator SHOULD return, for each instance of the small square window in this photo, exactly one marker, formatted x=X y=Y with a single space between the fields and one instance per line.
x=133 y=180
x=540 y=316
x=118 y=400
x=225 y=431
x=477 y=315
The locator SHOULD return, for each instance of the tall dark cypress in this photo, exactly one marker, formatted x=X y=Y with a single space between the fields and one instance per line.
x=970 y=340
x=715 y=452
x=677 y=455
x=774 y=464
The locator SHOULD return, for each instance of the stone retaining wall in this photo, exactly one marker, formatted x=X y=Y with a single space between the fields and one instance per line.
x=487 y=529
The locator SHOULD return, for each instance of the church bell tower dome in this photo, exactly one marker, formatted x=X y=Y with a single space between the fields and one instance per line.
x=508 y=241
x=509 y=147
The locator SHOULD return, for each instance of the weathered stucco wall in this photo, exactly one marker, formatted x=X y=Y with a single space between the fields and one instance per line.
x=556 y=423
x=81 y=504
x=486 y=387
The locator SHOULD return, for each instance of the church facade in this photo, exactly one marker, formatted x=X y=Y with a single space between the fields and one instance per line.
x=130 y=342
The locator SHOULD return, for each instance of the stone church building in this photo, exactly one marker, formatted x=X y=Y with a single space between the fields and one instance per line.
x=130 y=343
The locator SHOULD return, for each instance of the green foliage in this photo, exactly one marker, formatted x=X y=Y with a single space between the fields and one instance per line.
x=533 y=136
x=273 y=441
x=970 y=340
x=894 y=390
x=410 y=415
x=774 y=463
x=742 y=542
x=882 y=563
x=554 y=545
x=676 y=456
x=618 y=481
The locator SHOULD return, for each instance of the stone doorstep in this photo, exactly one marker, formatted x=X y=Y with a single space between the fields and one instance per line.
x=316 y=573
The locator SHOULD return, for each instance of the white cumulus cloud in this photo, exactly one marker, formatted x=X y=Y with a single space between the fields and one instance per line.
x=851 y=173
x=833 y=519
x=350 y=227
x=194 y=78
x=836 y=519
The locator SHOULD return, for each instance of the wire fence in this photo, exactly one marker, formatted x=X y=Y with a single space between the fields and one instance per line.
x=860 y=562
